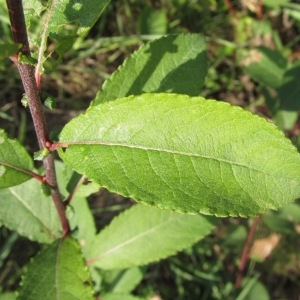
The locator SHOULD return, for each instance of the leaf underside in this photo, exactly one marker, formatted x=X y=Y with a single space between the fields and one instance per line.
x=184 y=154
x=26 y=209
x=145 y=234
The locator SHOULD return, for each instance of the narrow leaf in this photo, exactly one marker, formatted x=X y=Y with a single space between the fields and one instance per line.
x=185 y=154
x=15 y=162
x=173 y=63
x=27 y=210
x=144 y=234
x=58 y=272
x=82 y=222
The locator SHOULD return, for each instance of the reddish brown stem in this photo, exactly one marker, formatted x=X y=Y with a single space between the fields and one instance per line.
x=36 y=176
x=245 y=253
x=229 y=7
x=26 y=71
x=259 y=10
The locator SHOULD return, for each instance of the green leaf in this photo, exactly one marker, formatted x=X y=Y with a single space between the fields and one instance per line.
x=144 y=234
x=173 y=63
x=58 y=272
x=63 y=21
x=25 y=209
x=185 y=154
x=83 y=13
x=41 y=154
x=81 y=219
x=8 y=296
x=15 y=162
x=121 y=281
x=289 y=92
x=153 y=21
x=251 y=289
x=78 y=212
x=284 y=220
x=8 y=49
x=264 y=65
x=120 y=296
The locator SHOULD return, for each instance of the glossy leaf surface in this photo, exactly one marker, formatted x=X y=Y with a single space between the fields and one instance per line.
x=14 y=162
x=145 y=234
x=184 y=154
x=58 y=272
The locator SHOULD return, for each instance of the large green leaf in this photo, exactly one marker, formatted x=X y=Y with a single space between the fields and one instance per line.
x=184 y=154
x=15 y=162
x=144 y=234
x=175 y=63
x=58 y=272
x=26 y=209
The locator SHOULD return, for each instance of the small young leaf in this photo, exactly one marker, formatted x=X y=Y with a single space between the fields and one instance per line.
x=24 y=100
x=185 y=154
x=175 y=63
x=50 y=103
x=8 y=49
x=41 y=154
x=14 y=162
x=58 y=272
x=27 y=60
x=27 y=210
x=144 y=234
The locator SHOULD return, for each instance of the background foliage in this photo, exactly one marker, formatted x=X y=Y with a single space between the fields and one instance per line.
x=253 y=62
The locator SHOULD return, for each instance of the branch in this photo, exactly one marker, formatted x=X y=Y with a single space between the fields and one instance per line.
x=19 y=32
x=245 y=253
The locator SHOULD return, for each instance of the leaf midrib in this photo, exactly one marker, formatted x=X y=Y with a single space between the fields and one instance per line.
x=175 y=152
x=28 y=208
x=130 y=240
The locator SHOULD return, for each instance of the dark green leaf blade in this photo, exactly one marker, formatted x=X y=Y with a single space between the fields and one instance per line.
x=27 y=210
x=14 y=162
x=175 y=63
x=185 y=154
x=58 y=272
x=145 y=234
